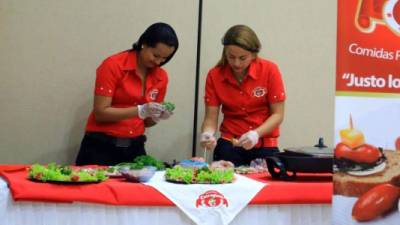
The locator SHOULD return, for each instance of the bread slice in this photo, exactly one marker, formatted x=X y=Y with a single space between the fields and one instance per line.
x=349 y=185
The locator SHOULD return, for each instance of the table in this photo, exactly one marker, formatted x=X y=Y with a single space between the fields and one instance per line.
x=278 y=203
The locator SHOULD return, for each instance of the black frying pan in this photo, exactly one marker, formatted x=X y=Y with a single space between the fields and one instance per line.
x=317 y=159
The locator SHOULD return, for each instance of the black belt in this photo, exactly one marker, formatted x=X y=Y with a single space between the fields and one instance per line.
x=116 y=141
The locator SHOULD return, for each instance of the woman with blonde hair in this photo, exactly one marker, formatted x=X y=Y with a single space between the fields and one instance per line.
x=250 y=93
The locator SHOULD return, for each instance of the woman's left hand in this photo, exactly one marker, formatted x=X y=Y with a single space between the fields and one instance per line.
x=166 y=114
x=249 y=140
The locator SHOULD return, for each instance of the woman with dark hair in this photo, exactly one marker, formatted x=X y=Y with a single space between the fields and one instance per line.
x=129 y=90
x=251 y=93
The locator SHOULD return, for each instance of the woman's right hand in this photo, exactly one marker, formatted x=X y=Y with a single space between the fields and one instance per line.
x=207 y=140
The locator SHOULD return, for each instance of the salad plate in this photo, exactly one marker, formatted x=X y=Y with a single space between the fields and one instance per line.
x=56 y=173
x=203 y=175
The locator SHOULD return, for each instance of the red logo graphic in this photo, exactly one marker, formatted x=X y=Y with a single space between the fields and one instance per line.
x=383 y=12
x=211 y=199
x=259 y=92
x=153 y=94
x=391 y=13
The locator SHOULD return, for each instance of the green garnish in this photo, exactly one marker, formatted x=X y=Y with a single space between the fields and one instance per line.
x=199 y=176
x=169 y=106
x=140 y=162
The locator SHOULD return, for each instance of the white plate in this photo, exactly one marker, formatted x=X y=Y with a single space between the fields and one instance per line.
x=373 y=170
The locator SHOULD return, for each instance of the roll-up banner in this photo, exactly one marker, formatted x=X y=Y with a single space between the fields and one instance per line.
x=367 y=113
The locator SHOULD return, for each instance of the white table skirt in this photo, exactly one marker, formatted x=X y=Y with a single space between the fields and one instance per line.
x=40 y=213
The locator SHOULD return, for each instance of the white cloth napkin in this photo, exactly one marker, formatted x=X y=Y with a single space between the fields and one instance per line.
x=209 y=204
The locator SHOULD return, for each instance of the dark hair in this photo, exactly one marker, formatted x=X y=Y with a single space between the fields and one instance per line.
x=158 y=33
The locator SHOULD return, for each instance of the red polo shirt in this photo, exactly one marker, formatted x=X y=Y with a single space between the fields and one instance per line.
x=116 y=77
x=246 y=106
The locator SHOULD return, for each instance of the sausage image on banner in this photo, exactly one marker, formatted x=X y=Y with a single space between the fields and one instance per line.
x=397 y=144
x=376 y=202
x=362 y=160
x=355 y=157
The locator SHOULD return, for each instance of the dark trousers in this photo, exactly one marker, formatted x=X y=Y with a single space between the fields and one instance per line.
x=238 y=155
x=102 y=149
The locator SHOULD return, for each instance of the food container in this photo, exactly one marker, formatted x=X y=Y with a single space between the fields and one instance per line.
x=192 y=163
x=138 y=175
x=310 y=159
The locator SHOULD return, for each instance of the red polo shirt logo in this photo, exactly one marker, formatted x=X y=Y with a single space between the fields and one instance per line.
x=211 y=199
x=259 y=92
x=153 y=94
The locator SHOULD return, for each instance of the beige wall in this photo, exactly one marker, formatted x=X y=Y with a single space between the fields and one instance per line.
x=49 y=51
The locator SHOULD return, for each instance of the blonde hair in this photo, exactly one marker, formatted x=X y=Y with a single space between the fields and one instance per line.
x=241 y=36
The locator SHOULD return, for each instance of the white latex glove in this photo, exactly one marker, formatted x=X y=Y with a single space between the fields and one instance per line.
x=207 y=140
x=249 y=140
x=151 y=109
x=166 y=114
x=163 y=116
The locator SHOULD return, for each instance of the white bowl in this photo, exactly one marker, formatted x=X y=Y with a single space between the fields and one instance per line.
x=139 y=175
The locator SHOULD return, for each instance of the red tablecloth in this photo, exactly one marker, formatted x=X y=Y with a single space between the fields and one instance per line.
x=306 y=189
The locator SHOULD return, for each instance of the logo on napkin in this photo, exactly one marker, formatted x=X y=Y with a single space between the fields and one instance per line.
x=373 y=12
x=211 y=199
